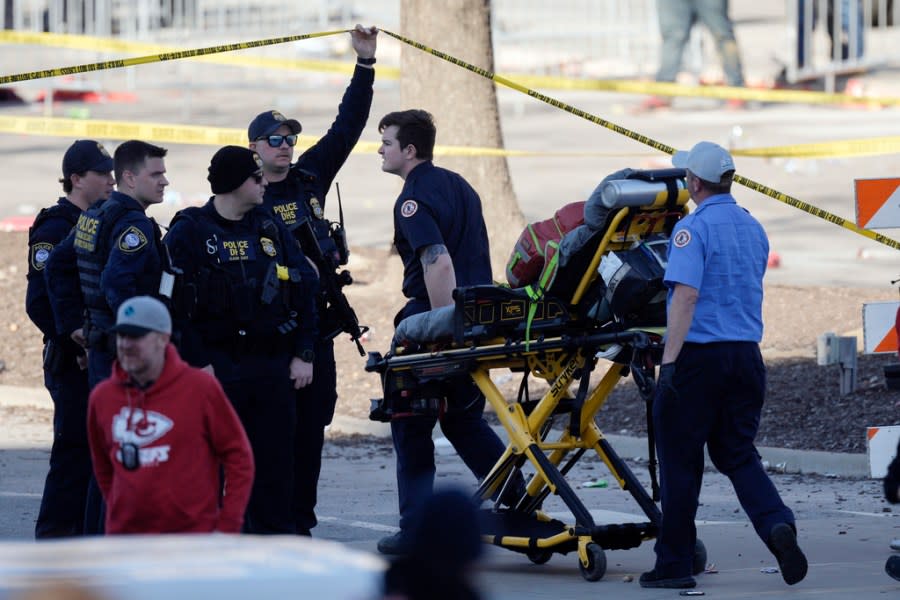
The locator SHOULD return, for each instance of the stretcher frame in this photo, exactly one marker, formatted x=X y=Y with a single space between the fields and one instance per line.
x=560 y=360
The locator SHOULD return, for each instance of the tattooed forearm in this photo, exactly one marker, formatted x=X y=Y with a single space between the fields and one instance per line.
x=430 y=254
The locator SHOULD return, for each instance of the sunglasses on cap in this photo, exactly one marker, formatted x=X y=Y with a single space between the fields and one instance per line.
x=275 y=141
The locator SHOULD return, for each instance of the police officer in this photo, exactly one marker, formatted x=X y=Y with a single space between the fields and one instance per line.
x=296 y=193
x=113 y=253
x=248 y=315
x=87 y=178
x=117 y=251
x=712 y=379
x=441 y=236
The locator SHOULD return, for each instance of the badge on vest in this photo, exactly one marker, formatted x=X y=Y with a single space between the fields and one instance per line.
x=238 y=249
x=40 y=252
x=316 y=207
x=132 y=240
x=268 y=246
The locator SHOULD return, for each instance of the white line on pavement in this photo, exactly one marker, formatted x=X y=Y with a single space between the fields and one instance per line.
x=19 y=495
x=360 y=524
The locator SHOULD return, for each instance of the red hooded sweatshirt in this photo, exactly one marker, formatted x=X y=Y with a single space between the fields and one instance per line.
x=184 y=429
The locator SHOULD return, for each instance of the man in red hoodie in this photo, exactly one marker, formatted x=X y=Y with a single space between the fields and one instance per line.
x=160 y=431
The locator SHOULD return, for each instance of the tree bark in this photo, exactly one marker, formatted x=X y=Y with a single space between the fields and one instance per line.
x=463 y=103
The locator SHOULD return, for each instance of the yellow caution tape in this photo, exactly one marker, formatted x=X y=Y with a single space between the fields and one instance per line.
x=842 y=148
x=762 y=189
x=219 y=136
x=188 y=134
x=161 y=57
x=101 y=44
x=721 y=92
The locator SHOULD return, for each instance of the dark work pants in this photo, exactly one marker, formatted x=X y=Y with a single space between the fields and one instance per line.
x=716 y=400
x=315 y=409
x=465 y=428
x=65 y=489
x=266 y=407
x=100 y=361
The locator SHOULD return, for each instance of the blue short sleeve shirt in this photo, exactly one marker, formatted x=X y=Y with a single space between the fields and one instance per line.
x=438 y=206
x=721 y=251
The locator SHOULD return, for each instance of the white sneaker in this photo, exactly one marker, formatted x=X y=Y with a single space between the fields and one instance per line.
x=895 y=545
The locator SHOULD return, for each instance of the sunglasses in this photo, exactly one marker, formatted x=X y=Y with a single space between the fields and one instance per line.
x=275 y=141
x=257 y=177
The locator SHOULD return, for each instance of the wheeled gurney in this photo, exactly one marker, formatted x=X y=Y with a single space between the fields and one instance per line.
x=606 y=301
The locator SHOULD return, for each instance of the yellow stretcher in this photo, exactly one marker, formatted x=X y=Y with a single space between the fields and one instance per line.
x=558 y=335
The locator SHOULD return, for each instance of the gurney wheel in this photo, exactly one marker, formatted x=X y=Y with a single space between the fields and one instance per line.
x=596 y=567
x=539 y=557
x=700 y=557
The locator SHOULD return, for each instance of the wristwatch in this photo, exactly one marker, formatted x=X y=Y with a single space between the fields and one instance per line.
x=308 y=356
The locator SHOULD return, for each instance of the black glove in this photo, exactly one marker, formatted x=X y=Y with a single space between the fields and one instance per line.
x=666 y=376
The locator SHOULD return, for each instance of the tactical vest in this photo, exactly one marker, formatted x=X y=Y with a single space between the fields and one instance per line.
x=302 y=202
x=93 y=243
x=241 y=290
x=52 y=212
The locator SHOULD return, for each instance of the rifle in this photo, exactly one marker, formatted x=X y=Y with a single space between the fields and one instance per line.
x=332 y=282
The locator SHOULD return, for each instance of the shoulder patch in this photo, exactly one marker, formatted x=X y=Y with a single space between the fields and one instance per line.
x=132 y=240
x=682 y=238
x=409 y=208
x=40 y=252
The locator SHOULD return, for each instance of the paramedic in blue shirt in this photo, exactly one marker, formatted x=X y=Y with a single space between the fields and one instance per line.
x=712 y=379
x=440 y=234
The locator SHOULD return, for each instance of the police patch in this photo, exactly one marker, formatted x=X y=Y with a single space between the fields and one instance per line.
x=409 y=208
x=132 y=240
x=682 y=238
x=40 y=252
x=268 y=246
x=316 y=207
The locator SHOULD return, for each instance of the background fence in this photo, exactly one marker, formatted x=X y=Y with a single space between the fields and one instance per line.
x=575 y=38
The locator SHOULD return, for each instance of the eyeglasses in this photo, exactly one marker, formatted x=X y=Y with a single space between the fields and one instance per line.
x=275 y=141
x=257 y=177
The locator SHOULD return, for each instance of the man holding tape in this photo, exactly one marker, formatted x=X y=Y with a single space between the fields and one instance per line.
x=296 y=193
x=712 y=380
x=87 y=178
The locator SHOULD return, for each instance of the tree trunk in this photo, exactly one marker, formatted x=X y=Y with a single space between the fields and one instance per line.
x=464 y=104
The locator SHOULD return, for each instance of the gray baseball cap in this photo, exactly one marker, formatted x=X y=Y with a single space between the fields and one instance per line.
x=140 y=315
x=706 y=160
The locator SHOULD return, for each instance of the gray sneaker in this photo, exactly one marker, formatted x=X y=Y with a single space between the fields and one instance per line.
x=895 y=545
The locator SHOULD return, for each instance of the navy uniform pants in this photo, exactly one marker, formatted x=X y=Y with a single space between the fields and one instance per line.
x=315 y=409
x=100 y=361
x=464 y=425
x=266 y=407
x=65 y=489
x=715 y=400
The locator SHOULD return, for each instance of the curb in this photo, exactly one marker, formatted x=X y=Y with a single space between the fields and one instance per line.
x=782 y=460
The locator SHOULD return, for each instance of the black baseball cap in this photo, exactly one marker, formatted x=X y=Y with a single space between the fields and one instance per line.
x=86 y=155
x=267 y=123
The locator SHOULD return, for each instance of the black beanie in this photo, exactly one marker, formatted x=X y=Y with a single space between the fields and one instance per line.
x=230 y=167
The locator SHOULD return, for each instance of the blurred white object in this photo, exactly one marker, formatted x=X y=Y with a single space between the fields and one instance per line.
x=175 y=567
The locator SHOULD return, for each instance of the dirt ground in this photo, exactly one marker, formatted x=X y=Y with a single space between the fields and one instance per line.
x=803 y=408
